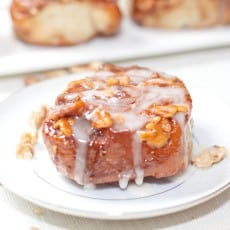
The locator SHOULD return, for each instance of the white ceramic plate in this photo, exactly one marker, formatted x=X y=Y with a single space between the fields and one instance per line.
x=38 y=181
x=131 y=42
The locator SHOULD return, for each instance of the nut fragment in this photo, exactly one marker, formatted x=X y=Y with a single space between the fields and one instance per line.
x=80 y=85
x=109 y=92
x=101 y=119
x=210 y=156
x=145 y=5
x=168 y=111
x=25 y=148
x=122 y=80
x=64 y=126
x=166 y=126
x=156 y=134
x=83 y=68
x=119 y=118
x=34 y=228
x=30 y=80
x=54 y=73
x=75 y=108
x=37 y=211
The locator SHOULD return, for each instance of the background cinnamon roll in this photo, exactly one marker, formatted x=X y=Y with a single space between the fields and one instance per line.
x=64 y=22
x=176 y=14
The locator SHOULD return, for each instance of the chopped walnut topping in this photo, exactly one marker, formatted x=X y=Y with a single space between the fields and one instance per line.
x=120 y=80
x=79 y=105
x=166 y=126
x=109 y=92
x=64 y=126
x=101 y=119
x=75 y=108
x=210 y=156
x=157 y=133
x=112 y=81
x=119 y=118
x=80 y=85
x=83 y=68
x=168 y=111
x=145 y=5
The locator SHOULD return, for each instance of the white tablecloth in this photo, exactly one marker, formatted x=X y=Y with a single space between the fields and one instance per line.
x=209 y=69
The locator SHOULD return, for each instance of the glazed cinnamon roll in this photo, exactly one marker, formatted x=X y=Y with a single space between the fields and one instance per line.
x=176 y=14
x=120 y=124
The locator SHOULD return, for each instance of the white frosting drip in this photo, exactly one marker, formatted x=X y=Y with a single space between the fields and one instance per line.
x=139 y=176
x=158 y=95
x=124 y=179
x=137 y=159
x=71 y=96
x=131 y=123
x=81 y=130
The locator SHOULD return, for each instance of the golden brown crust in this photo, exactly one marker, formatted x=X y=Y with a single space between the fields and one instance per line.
x=109 y=152
x=64 y=22
x=177 y=14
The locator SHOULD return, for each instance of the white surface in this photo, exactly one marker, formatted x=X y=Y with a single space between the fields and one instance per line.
x=132 y=41
x=213 y=71
x=154 y=198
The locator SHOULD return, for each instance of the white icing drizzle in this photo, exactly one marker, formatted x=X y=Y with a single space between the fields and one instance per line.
x=140 y=74
x=137 y=159
x=81 y=130
x=124 y=178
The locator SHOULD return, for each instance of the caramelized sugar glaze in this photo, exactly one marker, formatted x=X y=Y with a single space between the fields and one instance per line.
x=120 y=124
x=177 y=14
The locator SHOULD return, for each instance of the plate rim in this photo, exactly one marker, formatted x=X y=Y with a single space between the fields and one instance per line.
x=101 y=215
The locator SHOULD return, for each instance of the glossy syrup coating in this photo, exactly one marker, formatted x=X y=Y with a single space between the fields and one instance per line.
x=179 y=14
x=120 y=124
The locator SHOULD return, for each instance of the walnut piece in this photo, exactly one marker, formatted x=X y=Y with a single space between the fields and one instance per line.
x=54 y=73
x=37 y=211
x=64 y=126
x=80 y=85
x=122 y=80
x=168 y=111
x=101 y=119
x=157 y=132
x=25 y=148
x=210 y=156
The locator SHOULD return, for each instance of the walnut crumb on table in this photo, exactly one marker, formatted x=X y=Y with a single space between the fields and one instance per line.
x=34 y=228
x=210 y=156
x=37 y=211
x=38 y=77
x=25 y=148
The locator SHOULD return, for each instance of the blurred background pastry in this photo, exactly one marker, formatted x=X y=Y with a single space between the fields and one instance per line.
x=64 y=22
x=176 y=14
